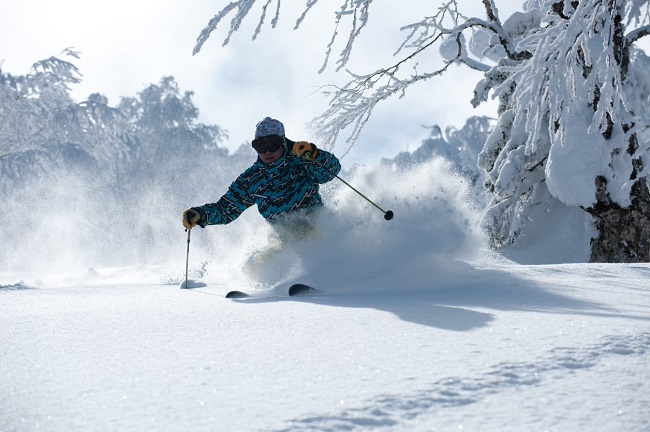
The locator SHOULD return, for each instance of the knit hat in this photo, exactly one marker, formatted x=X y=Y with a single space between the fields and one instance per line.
x=269 y=126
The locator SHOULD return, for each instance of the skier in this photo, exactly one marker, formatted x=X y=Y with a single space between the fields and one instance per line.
x=284 y=180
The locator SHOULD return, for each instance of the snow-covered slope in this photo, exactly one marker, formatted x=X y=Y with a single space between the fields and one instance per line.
x=419 y=328
x=511 y=347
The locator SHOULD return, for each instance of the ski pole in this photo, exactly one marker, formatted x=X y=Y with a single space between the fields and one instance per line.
x=388 y=215
x=187 y=257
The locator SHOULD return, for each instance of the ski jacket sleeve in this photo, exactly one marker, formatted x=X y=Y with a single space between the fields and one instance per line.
x=324 y=167
x=228 y=208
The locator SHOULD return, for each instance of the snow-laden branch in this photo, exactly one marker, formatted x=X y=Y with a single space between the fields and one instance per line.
x=579 y=101
x=637 y=34
x=350 y=106
x=241 y=9
x=359 y=13
x=356 y=10
x=492 y=12
x=24 y=100
x=448 y=23
x=504 y=40
x=637 y=12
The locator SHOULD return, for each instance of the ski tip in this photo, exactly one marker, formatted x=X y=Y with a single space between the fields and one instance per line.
x=302 y=289
x=236 y=294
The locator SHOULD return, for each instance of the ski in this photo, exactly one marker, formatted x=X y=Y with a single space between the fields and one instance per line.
x=294 y=290
x=302 y=289
x=237 y=294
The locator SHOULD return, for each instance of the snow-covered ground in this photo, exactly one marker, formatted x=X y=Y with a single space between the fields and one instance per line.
x=419 y=327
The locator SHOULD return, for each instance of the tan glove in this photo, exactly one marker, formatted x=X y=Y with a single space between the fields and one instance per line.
x=191 y=218
x=305 y=150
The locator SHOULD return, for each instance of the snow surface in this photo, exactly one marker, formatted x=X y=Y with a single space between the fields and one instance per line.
x=419 y=327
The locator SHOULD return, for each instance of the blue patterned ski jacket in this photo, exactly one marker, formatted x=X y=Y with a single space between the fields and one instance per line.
x=286 y=185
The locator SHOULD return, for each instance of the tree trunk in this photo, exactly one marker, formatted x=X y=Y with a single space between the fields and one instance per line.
x=624 y=233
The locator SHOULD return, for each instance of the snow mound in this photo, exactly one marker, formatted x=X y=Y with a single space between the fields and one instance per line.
x=14 y=287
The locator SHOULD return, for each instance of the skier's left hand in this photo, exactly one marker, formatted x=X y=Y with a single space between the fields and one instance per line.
x=304 y=150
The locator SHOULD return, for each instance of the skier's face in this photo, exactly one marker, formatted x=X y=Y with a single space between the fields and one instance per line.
x=270 y=148
x=268 y=157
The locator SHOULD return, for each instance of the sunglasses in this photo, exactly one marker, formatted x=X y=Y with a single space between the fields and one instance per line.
x=271 y=143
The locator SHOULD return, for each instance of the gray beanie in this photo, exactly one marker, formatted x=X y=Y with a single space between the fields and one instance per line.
x=269 y=126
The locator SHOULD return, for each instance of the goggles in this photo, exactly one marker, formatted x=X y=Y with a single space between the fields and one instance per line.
x=270 y=143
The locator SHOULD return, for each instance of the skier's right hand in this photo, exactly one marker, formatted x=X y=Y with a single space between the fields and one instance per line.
x=190 y=218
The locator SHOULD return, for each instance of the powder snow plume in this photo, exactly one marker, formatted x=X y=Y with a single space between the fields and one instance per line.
x=435 y=226
x=70 y=231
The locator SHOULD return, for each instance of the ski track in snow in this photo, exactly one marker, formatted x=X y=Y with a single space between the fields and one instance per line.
x=392 y=409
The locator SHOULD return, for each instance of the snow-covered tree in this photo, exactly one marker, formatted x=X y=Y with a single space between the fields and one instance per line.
x=573 y=122
x=42 y=128
x=44 y=132
x=573 y=92
x=166 y=134
x=29 y=103
x=88 y=171
x=459 y=146
x=165 y=122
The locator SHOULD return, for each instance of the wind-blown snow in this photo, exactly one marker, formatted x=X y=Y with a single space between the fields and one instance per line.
x=419 y=327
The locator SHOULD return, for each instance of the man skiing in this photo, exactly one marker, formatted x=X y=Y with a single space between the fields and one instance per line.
x=284 y=179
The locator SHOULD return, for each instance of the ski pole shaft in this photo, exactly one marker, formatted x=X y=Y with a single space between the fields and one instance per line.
x=388 y=215
x=187 y=256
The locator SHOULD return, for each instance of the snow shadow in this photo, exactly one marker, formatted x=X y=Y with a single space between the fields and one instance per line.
x=451 y=301
x=417 y=266
x=393 y=410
